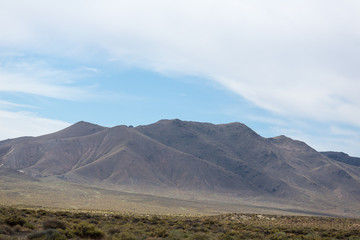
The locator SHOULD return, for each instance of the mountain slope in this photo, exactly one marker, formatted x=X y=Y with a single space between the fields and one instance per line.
x=224 y=145
x=118 y=155
x=227 y=159
x=280 y=166
x=343 y=157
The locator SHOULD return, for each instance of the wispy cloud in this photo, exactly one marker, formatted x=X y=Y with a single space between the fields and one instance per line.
x=19 y=75
x=10 y=105
x=344 y=132
x=90 y=69
x=36 y=77
x=16 y=124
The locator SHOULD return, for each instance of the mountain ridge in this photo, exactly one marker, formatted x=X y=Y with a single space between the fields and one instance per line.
x=343 y=157
x=228 y=159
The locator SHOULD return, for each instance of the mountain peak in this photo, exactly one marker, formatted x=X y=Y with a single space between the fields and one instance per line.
x=170 y=121
x=78 y=129
x=282 y=137
x=83 y=123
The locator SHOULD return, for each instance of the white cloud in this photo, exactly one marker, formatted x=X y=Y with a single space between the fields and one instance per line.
x=19 y=124
x=89 y=69
x=298 y=58
x=6 y=105
x=35 y=77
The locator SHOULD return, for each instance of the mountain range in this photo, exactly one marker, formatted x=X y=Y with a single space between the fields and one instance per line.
x=229 y=160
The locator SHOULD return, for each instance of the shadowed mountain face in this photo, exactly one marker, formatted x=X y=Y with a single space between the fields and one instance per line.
x=343 y=157
x=172 y=154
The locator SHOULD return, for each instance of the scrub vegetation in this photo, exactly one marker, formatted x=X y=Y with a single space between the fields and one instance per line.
x=32 y=223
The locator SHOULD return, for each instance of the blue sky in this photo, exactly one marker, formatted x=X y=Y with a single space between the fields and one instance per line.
x=281 y=67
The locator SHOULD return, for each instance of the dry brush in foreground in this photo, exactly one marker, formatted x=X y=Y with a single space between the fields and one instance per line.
x=24 y=223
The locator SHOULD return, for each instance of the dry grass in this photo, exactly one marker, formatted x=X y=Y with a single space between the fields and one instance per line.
x=73 y=224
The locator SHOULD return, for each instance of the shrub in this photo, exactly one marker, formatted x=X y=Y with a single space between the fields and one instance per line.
x=199 y=236
x=177 y=235
x=4 y=229
x=49 y=234
x=54 y=224
x=124 y=236
x=29 y=225
x=278 y=236
x=113 y=231
x=87 y=230
x=311 y=236
x=69 y=233
x=41 y=212
x=162 y=233
x=226 y=236
x=15 y=220
x=6 y=237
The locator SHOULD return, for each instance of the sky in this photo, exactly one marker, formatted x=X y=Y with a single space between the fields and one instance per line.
x=280 y=67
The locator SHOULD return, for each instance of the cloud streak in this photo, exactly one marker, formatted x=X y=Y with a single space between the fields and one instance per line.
x=10 y=105
x=37 y=78
x=15 y=124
